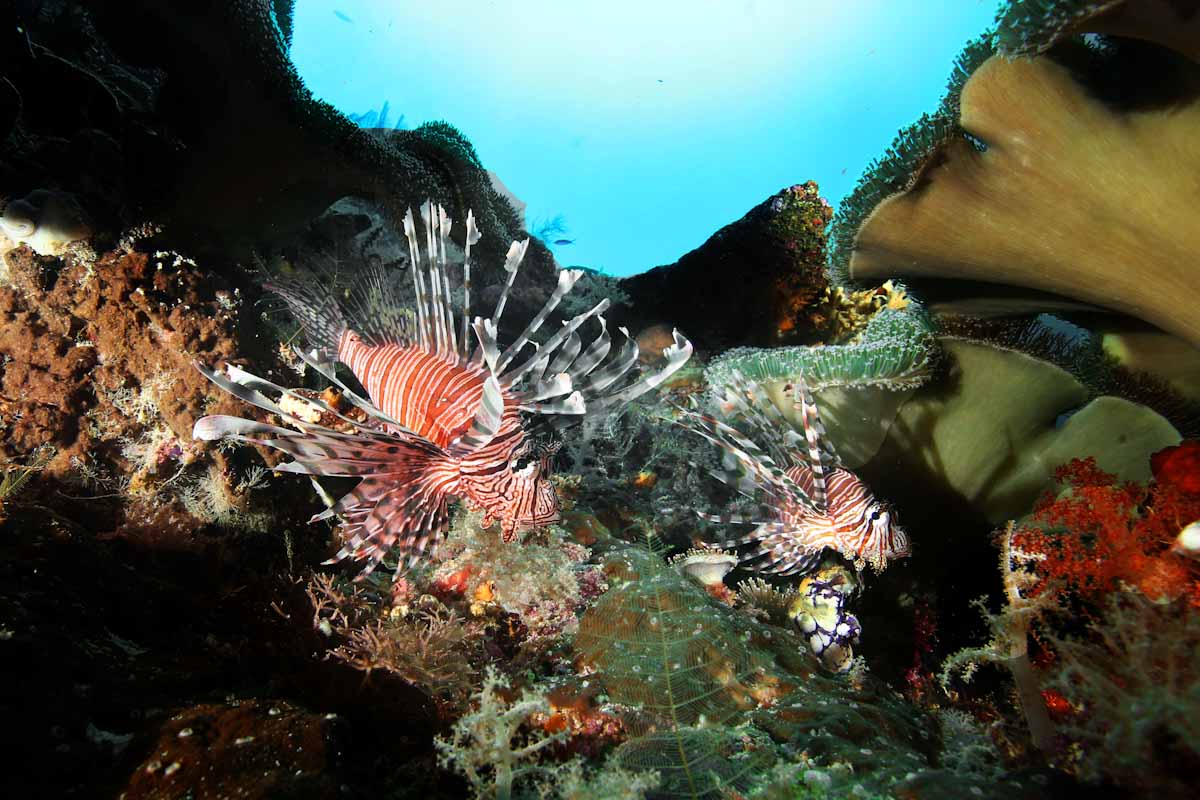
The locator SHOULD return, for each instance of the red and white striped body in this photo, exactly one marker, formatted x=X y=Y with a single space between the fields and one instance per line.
x=437 y=397
x=855 y=523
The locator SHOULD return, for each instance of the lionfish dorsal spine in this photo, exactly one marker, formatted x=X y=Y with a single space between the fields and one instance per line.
x=473 y=237
x=814 y=434
x=512 y=262
x=567 y=279
x=551 y=345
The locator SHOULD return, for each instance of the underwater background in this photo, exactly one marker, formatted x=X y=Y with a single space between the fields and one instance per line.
x=841 y=440
x=643 y=126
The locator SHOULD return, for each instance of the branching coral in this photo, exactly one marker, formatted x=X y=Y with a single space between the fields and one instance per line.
x=13 y=477
x=1100 y=535
x=485 y=746
x=428 y=645
x=1009 y=645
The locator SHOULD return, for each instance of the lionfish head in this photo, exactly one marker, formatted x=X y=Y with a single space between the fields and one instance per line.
x=518 y=491
x=882 y=537
x=534 y=500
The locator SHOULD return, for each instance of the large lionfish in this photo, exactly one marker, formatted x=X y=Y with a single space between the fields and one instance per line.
x=812 y=503
x=446 y=417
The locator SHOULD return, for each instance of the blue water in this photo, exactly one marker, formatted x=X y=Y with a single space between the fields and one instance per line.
x=647 y=125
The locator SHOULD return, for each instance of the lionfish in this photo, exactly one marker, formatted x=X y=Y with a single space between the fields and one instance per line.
x=446 y=417
x=812 y=503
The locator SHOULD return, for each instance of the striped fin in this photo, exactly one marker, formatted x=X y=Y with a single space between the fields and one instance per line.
x=424 y=326
x=400 y=504
x=790 y=558
x=567 y=279
x=473 y=237
x=566 y=354
x=676 y=355
x=406 y=520
x=486 y=422
x=750 y=400
x=375 y=310
x=621 y=363
x=316 y=309
x=595 y=353
x=435 y=313
x=767 y=474
x=551 y=345
x=512 y=262
x=814 y=433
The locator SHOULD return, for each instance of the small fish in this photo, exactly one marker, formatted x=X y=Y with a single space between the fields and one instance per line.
x=562 y=242
x=342 y=16
x=812 y=503
x=445 y=417
x=1187 y=543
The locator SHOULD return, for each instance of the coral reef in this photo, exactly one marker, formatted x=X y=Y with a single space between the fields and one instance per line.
x=968 y=432
x=484 y=744
x=1134 y=692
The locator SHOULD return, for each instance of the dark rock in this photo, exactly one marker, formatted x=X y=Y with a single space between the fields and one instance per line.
x=252 y=749
x=749 y=284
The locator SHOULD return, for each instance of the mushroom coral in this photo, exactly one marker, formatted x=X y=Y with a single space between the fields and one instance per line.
x=1051 y=189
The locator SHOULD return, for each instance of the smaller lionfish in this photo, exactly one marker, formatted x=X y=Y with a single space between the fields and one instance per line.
x=812 y=503
x=446 y=417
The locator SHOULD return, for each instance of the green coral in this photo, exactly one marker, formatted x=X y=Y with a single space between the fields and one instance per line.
x=895 y=351
x=685 y=668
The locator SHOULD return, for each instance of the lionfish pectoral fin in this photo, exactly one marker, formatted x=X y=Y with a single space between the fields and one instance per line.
x=406 y=520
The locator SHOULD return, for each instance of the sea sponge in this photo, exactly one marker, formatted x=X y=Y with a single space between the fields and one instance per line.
x=1042 y=193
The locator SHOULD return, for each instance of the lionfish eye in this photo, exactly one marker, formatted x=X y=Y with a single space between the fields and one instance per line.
x=876 y=514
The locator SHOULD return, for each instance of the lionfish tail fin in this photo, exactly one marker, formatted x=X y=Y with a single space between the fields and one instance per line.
x=401 y=500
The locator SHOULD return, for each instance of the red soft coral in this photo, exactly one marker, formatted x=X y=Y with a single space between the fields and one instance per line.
x=1101 y=535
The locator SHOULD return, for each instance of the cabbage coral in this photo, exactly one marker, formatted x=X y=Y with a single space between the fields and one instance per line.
x=1026 y=27
x=1039 y=190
